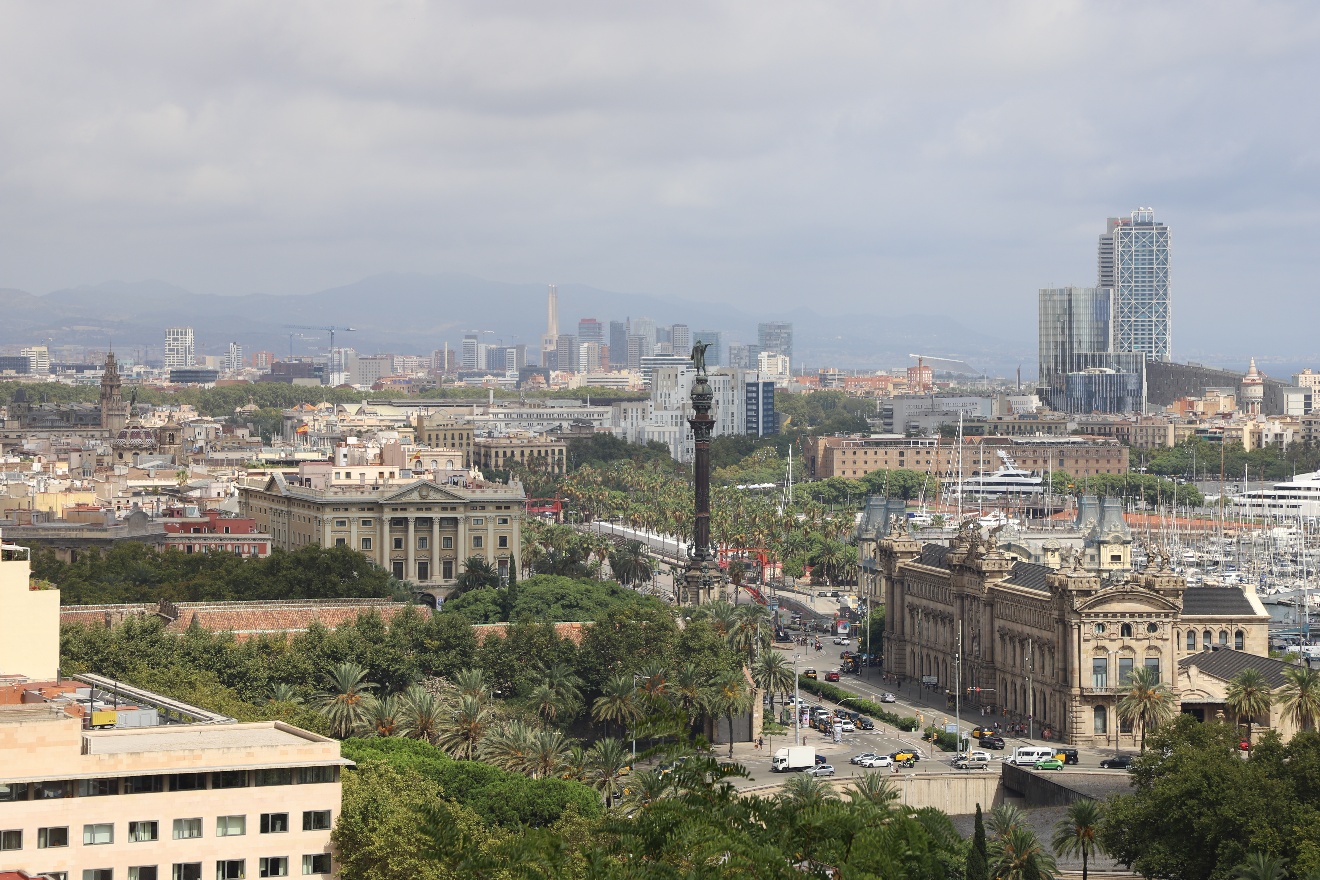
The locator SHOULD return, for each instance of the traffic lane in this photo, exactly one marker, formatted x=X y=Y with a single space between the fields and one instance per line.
x=836 y=754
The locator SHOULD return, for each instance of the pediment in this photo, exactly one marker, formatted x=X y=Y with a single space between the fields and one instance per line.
x=422 y=491
x=1127 y=597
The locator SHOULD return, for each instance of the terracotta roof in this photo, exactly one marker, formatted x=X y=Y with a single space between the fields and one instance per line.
x=243 y=619
x=571 y=631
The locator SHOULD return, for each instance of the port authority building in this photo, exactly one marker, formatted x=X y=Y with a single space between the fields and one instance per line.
x=1051 y=639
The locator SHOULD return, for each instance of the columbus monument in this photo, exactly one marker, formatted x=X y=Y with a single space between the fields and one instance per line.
x=702 y=579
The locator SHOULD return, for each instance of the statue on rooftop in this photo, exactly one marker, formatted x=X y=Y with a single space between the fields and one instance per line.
x=699 y=357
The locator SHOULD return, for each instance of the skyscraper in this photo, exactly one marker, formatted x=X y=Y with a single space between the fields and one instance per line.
x=234 y=358
x=680 y=339
x=179 y=349
x=1134 y=262
x=1073 y=322
x=645 y=328
x=551 y=337
x=591 y=330
x=775 y=337
x=618 y=345
x=566 y=353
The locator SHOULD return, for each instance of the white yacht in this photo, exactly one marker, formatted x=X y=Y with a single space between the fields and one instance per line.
x=1298 y=497
x=1009 y=481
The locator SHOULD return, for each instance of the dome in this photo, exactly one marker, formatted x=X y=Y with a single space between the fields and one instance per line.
x=134 y=437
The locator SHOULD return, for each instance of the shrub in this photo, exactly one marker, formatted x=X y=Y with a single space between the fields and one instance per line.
x=866 y=707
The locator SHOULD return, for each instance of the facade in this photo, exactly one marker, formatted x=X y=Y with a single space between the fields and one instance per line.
x=180 y=350
x=38 y=358
x=1072 y=321
x=537 y=452
x=566 y=353
x=775 y=337
x=680 y=339
x=1051 y=644
x=619 y=344
x=759 y=403
x=233 y=358
x=854 y=457
x=420 y=530
x=1134 y=263
x=211 y=532
x=591 y=330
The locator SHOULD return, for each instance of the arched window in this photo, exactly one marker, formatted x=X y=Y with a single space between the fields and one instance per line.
x=1191 y=640
x=1239 y=640
x=1223 y=638
x=1099 y=629
x=1152 y=627
x=1125 y=631
x=1206 y=640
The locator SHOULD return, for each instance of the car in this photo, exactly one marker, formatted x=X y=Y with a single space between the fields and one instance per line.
x=966 y=762
x=978 y=732
x=1067 y=756
x=848 y=727
x=1049 y=764
x=975 y=755
x=820 y=770
x=865 y=723
x=821 y=759
x=993 y=741
x=810 y=673
x=1118 y=762
x=903 y=757
x=877 y=761
x=845 y=641
x=838 y=641
x=888 y=698
x=864 y=756
x=832 y=676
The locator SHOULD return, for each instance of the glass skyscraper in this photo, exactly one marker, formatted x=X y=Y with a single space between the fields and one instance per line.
x=1074 y=322
x=1134 y=262
x=776 y=337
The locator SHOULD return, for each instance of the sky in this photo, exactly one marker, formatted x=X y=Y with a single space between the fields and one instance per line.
x=849 y=157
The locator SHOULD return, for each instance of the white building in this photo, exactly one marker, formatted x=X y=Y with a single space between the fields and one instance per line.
x=671 y=387
x=180 y=350
x=38 y=359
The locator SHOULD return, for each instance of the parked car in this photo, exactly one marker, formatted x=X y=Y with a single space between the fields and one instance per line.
x=1067 y=756
x=877 y=761
x=993 y=741
x=832 y=676
x=810 y=673
x=864 y=756
x=865 y=723
x=820 y=770
x=1049 y=764
x=888 y=698
x=1118 y=762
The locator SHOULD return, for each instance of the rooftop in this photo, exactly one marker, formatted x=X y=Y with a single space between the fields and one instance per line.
x=1216 y=601
x=191 y=738
x=1225 y=664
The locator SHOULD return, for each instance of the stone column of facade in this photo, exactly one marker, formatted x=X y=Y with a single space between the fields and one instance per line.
x=410 y=567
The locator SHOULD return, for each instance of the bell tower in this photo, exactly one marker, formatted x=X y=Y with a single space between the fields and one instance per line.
x=114 y=413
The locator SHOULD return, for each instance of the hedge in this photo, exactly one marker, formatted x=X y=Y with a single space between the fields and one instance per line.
x=866 y=707
x=943 y=740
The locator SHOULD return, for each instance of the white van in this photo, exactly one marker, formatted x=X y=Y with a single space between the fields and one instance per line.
x=1026 y=756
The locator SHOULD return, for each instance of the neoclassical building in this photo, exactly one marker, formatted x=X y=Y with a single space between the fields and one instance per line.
x=1053 y=643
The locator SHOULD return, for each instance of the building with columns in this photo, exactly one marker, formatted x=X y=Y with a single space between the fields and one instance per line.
x=421 y=530
x=1052 y=643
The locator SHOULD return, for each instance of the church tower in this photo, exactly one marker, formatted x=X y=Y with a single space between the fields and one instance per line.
x=114 y=412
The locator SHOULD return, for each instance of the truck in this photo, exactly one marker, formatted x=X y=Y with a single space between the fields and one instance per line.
x=793 y=758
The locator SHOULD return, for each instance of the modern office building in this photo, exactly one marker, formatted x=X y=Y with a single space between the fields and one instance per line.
x=618 y=344
x=180 y=350
x=1073 y=321
x=645 y=328
x=551 y=338
x=715 y=355
x=744 y=357
x=775 y=337
x=591 y=330
x=234 y=358
x=566 y=353
x=759 y=402
x=1134 y=263
x=680 y=339
x=38 y=358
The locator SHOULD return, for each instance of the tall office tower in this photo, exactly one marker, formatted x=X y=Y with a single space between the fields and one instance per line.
x=759 y=401
x=1075 y=327
x=714 y=354
x=551 y=337
x=38 y=358
x=519 y=354
x=1134 y=263
x=179 y=349
x=743 y=357
x=636 y=349
x=566 y=353
x=468 y=359
x=680 y=338
x=234 y=358
x=591 y=330
x=645 y=328
x=775 y=337
x=618 y=344
x=589 y=357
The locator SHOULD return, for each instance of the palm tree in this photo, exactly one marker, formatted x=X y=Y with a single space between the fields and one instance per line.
x=284 y=692
x=477 y=574
x=773 y=673
x=1260 y=866
x=730 y=697
x=647 y=787
x=343 y=700
x=510 y=747
x=1019 y=855
x=806 y=791
x=722 y=615
x=465 y=728
x=751 y=629
x=632 y=563
x=565 y=686
x=605 y=763
x=874 y=788
x=381 y=716
x=550 y=753
x=1075 y=834
x=617 y=702
x=471 y=683
x=1301 y=695
x=1249 y=695
x=421 y=715
x=1004 y=818
x=1145 y=701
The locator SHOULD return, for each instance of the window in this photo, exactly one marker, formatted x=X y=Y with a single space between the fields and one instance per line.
x=187 y=782
x=233 y=869
x=503 y=542
x=230 y=826
x=51 y=838
x=1206 y=640
x=274 y=823
x=45 y=790
x=1239 y=640
x=398 y=543
x=317 y=774
x=13 y=791
x=365 y=522
x=144 y=784
x=98 y=874
x=502 y=520
x=340 y=542
x=1153 y=664
x=1124 y=670
x=1101 y=719
x=186 y=829
x=1152 y=628
x=366 y=543
x=55 y=875
x=422 y=543
x=279 y=776
x=1099 y=629
x=94 y=835
x=275 y=866
x=446 y=542
x=188 y=871
x=140 y=832
x=341 y=523
x=142 y=872
x=316 y=820
x=479 y=521
x=1223 y=638
x=12 y=839
x=476 y=540
x=1191 y=640
x=229 y=779
x=1125 y=630
x=1100 y=672
x=447 y=569
x=316 y=864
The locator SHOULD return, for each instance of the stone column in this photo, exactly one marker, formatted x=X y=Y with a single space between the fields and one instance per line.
x=410 y=567
x=435 y=549
x=702 y=577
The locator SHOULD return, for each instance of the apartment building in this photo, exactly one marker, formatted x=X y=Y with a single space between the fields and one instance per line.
x=856 y=456
x=539 y=452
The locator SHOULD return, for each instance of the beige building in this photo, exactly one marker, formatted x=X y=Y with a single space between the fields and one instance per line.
x=1050 y=644
x=101 y=781
x=1204 y=679
x=854 y=457
x=538 y=452
x=442 y=431
x=422 y=531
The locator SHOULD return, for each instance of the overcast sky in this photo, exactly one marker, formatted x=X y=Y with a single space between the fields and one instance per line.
x=913 y=157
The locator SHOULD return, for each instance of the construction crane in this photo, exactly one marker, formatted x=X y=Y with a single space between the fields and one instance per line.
x=331 y=330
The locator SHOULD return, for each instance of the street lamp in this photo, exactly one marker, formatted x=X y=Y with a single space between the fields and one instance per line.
x=797 y=704
x=634 y=732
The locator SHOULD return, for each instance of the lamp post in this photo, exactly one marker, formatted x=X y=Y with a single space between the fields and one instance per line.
x=634 y=732
x=797 y=708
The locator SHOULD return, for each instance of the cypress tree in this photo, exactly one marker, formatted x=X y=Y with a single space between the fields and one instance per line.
x=978 y=865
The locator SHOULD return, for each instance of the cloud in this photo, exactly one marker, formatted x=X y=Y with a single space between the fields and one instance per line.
x=848 y=156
